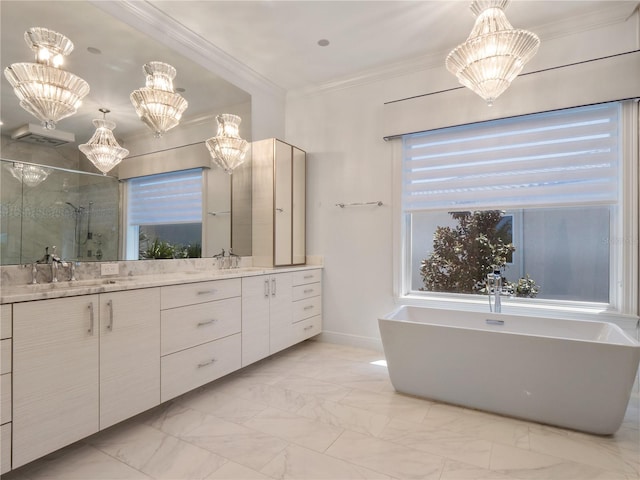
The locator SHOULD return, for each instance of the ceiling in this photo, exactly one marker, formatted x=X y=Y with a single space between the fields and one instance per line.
x=276 y=39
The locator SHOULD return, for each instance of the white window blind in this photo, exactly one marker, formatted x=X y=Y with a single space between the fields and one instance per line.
x=166 y=198
x=566 y=157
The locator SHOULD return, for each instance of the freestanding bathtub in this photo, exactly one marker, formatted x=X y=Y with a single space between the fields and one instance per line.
x=569 y=373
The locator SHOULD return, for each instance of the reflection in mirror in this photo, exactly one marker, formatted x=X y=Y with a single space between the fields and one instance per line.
x=77 y=212
x=103 y=56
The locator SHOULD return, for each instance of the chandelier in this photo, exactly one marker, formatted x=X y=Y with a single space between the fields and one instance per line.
x=227 y=148
x=494 y=53
x=157 y=104
x=44 y=90
x=103 y=149
x=28 y=174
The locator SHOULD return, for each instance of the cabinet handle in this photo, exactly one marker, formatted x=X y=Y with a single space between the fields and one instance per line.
x=110 y=324
x=280 y=210
x=309 y=327
x=91 y=318
x=207 y=292
x=273 y=287
x=308 y=276
x=266 y=288
x=208 y=362
x=309 y=290
x=206 y=322
x=309 y=307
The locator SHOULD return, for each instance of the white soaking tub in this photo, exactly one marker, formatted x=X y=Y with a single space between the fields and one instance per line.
x=569 y=373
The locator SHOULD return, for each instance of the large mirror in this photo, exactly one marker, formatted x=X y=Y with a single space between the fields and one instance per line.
x=109 y=55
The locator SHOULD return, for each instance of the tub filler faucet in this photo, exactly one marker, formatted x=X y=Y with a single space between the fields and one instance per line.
x=494 y=286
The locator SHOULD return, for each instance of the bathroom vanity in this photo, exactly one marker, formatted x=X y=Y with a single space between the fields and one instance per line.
x=83 y=356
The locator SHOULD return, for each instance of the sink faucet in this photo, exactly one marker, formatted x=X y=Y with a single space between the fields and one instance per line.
x=54 y=262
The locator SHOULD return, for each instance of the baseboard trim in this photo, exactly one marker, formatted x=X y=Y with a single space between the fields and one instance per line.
x=351 y=340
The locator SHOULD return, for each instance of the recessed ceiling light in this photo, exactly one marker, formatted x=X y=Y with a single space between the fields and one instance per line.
x=94 y=50
x=323 y=42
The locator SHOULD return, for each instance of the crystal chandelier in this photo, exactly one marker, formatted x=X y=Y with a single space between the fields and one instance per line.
x=44 y=90
x=28 y=174
x=103 y=149
x=494 y=53
x=157 y=104
x=227 y=148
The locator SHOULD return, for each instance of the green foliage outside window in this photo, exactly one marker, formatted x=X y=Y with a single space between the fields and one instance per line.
x=463 y=255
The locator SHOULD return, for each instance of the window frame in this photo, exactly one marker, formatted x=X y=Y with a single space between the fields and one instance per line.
x=622 y=307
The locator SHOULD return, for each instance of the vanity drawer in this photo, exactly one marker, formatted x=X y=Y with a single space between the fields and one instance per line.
x=185 y=327
x=192 y=293
x=306 y=276
x=307 y=328
x=183 y=371
x=5 y=356
x=306 y=308
x=307 y=291
x=5 y=321
x=5 y=398
x=5 y=448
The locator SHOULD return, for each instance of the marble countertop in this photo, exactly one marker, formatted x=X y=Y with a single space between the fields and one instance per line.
x=43 y=291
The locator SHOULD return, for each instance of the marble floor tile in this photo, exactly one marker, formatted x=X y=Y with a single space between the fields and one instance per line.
x=386 y=457
x=295 y=428
x=322 y=411
x=441 y=442
x=155 y=453
x=300 y=463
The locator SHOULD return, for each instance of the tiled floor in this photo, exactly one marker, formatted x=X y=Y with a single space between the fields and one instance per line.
x=323 y=411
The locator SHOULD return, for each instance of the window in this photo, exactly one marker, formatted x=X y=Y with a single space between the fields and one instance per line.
x=552 y=185
x=164 y=215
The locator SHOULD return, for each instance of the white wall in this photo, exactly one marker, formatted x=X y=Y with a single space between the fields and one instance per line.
x=341 y=128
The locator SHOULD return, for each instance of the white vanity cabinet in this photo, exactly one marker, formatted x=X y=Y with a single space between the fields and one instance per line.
x=266 y=315
x=279 y=203
x=200 y=325
x=81 y=364
x=5 y=388
x=307 y=304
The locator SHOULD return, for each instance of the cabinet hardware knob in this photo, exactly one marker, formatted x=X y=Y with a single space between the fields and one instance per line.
x=204 y=364
x=206 y=322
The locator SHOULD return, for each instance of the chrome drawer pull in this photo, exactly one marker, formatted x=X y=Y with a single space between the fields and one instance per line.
x=309 y=327
x=309 y=307
x=309 y=290
x=204 y=364
x=110 y=324
x=91 y=318
x=206 y=322
x=207 y=292
x=308 y=276
x=266 y=288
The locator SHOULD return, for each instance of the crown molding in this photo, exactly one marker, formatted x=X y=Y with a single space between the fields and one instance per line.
x=147 y=18
x=408 y=66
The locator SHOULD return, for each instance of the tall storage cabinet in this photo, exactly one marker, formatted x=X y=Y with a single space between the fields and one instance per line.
x=279 y=203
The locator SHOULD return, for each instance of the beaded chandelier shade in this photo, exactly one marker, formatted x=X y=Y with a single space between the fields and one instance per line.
x=102 y=149
x=28 y=174
x=45 y=90
x=156 y=103
x=494 y=53
x=227 y=149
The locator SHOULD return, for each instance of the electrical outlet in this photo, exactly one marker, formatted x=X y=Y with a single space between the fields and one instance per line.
x=109 y=269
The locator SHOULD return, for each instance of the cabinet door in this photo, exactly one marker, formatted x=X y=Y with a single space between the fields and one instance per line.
x=55 y=375
x=255 y=318
x=129 y=354
x=281 y=312
x=282 y=204
x=298 y=219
